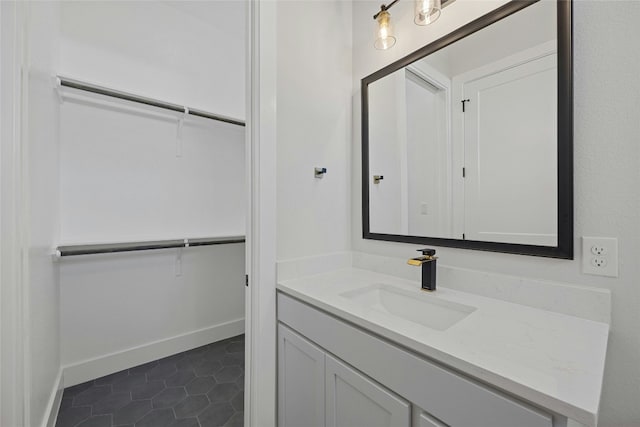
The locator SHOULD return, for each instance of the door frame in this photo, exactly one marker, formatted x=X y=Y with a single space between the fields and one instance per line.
x=260 y=296
x=14 y=388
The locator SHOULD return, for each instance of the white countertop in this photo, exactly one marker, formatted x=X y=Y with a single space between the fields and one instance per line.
x=553 y=360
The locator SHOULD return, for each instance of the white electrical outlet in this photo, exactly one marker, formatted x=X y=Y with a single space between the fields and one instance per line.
x=600 y=256
x=424 y=209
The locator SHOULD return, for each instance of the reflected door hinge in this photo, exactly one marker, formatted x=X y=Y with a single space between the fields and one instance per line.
x=246 y=280
x=464 y=172
x=463 y=236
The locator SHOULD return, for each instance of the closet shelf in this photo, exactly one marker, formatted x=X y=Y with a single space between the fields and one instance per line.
x=107 y=248
x=89 y=87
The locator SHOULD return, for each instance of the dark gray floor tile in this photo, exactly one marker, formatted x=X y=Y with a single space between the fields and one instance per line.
x=66 y=402
x=186 y=422
x=169 y=397
x=187 y=364
x=216 y=415
x=235 y=347
x=223 y=392
x=70 y=417
x=180 y=378
x=200 y=385
x=132 y=412
x=92 y=395
x=240 y=382
x=228 y=374
x=215 y=353
x=147 y=390
x=196 y=353
x=193 y=358
x=157 y=418
x=77 y=389
x=177 y=391
x=111 y=403
x=97 y=421
x=127 y=383
x=207 y=367
x=237 y=420
x=191 y=406
x=161 y=372
x=110 y=379
x=233 y=359
x=143 y=369
x=238 y=402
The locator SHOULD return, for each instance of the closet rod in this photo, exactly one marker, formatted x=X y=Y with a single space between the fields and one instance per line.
x=88 y=87
x=107 y=248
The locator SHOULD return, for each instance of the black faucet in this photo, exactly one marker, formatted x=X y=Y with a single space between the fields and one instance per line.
x=428 y=263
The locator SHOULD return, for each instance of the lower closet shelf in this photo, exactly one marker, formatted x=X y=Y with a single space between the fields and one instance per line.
x=105 y=248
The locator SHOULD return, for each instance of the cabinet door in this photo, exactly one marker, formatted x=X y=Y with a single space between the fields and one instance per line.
x=300 y=381
x=356 y=401
x=426 y=420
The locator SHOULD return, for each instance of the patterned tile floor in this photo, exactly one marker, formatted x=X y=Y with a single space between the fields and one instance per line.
x=203 y=387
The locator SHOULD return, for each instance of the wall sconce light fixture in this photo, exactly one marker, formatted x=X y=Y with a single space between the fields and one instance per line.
x=384 y=33
x=425 y=11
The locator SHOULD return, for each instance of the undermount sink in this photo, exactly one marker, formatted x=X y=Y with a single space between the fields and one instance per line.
x=415 y=307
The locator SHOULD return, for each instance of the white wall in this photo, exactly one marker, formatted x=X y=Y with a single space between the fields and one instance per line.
x=42 y=191
x=313 y=127
x=606 y=176
x=113 y=304
x=121 y=179
x=189 y=53
x=428 y=210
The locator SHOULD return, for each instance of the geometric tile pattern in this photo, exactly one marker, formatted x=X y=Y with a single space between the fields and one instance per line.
x=203 y=387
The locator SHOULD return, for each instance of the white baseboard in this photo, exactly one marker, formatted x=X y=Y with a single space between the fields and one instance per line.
x=90 y=369
x=53 y=406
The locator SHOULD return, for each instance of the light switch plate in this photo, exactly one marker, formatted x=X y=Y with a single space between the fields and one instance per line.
x=600 y=256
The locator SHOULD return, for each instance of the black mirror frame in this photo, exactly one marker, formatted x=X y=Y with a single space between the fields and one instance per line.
x=564 y=249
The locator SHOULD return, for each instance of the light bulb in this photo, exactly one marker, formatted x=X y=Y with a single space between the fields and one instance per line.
x=384 y=31
x=427 y=11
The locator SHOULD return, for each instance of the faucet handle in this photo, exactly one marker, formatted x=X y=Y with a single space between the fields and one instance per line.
x=427 y=252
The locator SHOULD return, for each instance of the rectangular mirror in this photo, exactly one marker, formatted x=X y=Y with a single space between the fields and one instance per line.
x=467 y=142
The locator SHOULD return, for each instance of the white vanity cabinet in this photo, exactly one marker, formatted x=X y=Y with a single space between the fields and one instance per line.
x=316 y=389
x=301 y=377
x=354 y=400
x=426 y=420
x=333 y=374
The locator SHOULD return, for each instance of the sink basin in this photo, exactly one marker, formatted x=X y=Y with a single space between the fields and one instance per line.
x=417 y=307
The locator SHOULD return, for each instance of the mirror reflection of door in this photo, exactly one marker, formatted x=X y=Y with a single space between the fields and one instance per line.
x=387 y=197
x=510 y=130
x=409 y=128
x=428 y=153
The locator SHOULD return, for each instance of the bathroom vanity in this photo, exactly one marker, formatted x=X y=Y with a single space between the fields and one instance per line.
x=358 y=348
